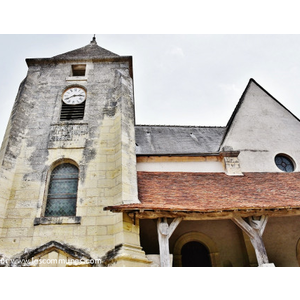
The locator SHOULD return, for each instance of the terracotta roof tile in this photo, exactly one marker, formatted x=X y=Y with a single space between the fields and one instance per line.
x=202 y=192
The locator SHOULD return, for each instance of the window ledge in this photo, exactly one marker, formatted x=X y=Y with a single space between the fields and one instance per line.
x=57 y=220
x=70 y=122
x=76 y=78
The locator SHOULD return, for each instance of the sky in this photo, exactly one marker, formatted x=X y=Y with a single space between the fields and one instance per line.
x=179 y=79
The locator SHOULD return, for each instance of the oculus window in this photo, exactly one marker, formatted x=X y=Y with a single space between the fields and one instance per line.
x=62 y=191
x=284 y=163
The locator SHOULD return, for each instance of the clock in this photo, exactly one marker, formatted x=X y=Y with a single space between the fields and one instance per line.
x=74 y=95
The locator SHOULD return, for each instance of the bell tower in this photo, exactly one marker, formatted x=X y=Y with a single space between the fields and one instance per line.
x=69 y=151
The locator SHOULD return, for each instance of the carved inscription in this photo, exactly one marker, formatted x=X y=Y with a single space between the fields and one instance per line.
x=68 y=135
x=232 y=166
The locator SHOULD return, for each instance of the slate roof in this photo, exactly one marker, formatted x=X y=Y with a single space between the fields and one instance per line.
x=90 y=51
x=214 y=192
x=177 y=140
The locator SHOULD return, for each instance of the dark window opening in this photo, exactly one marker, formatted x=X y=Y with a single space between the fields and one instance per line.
x=195 y=254
x=72 y=112
x=78 y=70
x=62 y=191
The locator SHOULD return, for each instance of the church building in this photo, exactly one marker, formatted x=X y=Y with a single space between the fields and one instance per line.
x=82 y=185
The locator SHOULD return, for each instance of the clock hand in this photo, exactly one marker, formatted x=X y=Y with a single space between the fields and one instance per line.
x=74 y=96
x=69 y=97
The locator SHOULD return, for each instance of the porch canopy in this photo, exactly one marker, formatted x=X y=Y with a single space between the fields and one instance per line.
x=194 y=196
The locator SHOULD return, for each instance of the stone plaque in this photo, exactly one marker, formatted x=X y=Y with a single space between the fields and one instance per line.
x=232 y=166
x=68 y=135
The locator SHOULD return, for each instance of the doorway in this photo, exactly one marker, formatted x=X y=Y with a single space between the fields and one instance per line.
x=195 y=254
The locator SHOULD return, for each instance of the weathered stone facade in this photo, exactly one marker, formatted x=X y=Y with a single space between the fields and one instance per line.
x=101 y=145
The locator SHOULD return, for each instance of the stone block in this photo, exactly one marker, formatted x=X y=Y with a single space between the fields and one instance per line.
x=116 y=228
x=9 y=244
x=16 y=232
x=87 y=221
x=106 y=220
x=80 y=230
x=12 y=223
x=96 y=230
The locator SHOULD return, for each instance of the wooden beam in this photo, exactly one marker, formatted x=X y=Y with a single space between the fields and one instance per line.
x=221 y=215
x=164 y=231
x=239 y=221
x=254 y=230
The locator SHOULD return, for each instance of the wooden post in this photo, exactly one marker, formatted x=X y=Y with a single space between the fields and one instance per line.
x=255 y=230
x=164 y=233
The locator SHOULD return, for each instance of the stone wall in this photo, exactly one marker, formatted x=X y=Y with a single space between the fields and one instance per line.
x=101 y=145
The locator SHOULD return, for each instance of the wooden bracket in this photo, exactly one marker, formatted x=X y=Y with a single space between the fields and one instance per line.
x=255 y=229
x=258 y=225
x=165 y=231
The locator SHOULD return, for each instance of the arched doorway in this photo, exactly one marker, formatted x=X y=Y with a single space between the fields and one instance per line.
x=199 y=244
x=195 y=254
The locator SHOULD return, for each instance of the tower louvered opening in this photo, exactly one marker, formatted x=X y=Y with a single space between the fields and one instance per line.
x=72 y=112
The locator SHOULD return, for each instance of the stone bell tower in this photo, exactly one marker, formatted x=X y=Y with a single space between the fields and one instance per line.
x=69 y=151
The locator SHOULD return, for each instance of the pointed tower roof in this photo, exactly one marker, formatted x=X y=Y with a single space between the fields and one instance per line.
x=90 y=51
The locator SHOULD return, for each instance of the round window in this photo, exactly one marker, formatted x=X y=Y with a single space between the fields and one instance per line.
x=284 y=163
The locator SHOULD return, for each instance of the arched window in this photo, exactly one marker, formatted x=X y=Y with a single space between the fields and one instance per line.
x=62 y=191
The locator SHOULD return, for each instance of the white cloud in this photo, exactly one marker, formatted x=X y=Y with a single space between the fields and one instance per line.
x=176 y=51
x=230 y=89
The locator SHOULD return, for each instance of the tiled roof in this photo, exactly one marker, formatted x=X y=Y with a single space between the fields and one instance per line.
x=177 y=140
x=207 y=192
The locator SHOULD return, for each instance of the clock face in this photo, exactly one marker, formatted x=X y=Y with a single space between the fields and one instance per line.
x=74 y=95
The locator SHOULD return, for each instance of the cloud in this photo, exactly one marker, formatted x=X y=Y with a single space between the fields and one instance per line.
x=230 y=89
x=176 y=51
